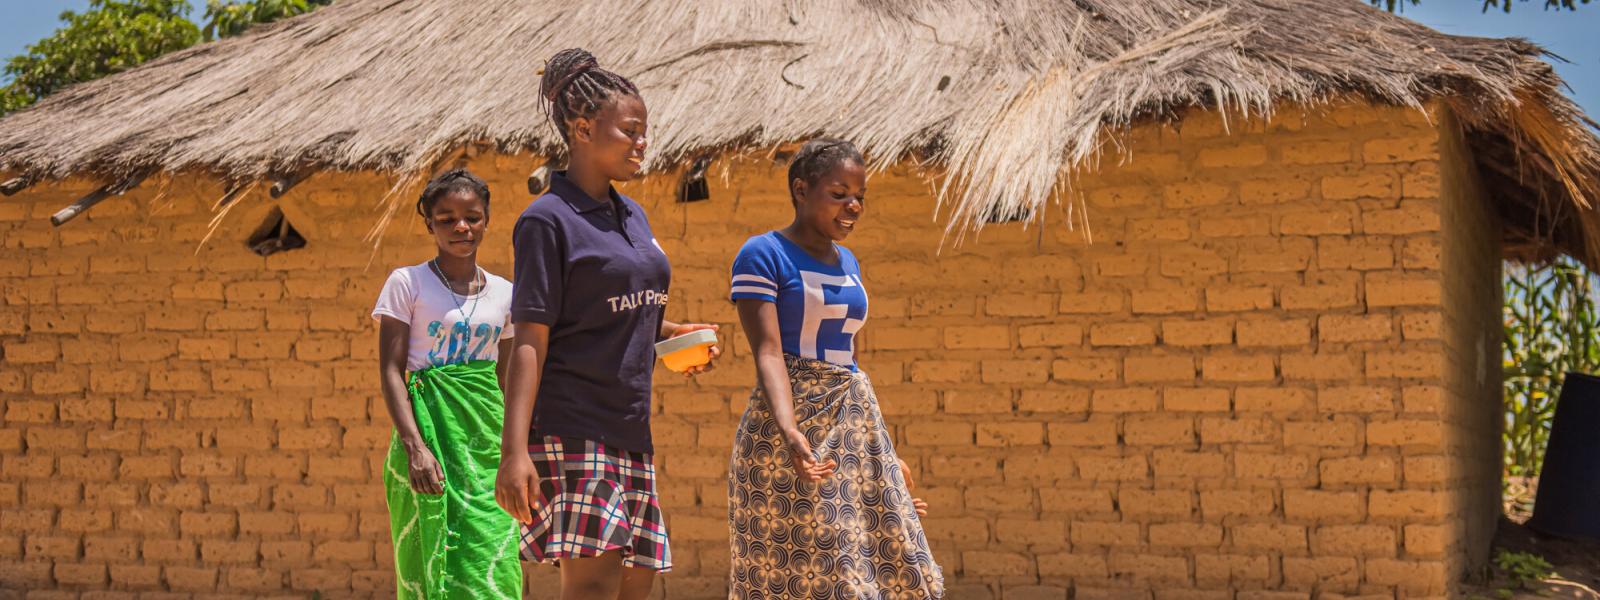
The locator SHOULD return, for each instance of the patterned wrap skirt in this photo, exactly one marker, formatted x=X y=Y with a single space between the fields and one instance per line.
x=458 y=544
x=853 y=536
x=594 y=499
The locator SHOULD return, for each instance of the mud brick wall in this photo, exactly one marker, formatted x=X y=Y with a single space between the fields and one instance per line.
x=1258 y=381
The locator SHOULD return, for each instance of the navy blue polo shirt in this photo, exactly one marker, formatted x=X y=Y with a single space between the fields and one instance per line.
x=593 y=272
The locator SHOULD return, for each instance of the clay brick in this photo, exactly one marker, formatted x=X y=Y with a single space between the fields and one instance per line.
x=1219 y=568
x=1419 y=577
x=1269 y=333
x=1094 y=432
x=1238 y=298
x=1142 y=369
x=1010 y=434
x=1195 y=399
x=1317 y=506
x=943 y=371
x=1273 y=191
x=1090 y=303
x=1269 y=536
x=1179 y=464
x=1195 y=194
x=1159 y=431
x=1165 y=301
x=1084 y=369
x=1016 y=371
x=1271 y=399
x=1162 y=503
x=1123 y=400
x=1247 y=155
x=1318 y=297
x=1417 y=434
x=1109 y=468
x=1355 y=399
x=1286 y=255
x=908 y=338
x=1020 y=305
x=1315 y=153
x=1354 y=540
x=1122 y=334
x=1411 y=217
x=1422 y=326
x=997 y=564
x=939 y=433
x=1145 y=567
x=1073 y=565
x=1122 y=265
x=1206 y=332
x=1334 y=434
x=1093 y=533
x=1403 y=292
x=1415 y=365
x=1355 y=328
x=1186 y=535
x=1407 y=504
x=1391 y=150
x=1121 y=197
x=1359 y=254
x=1427 y=540
x=1370 y=184
x=1191 y=262
x=1426 y=470
x=1321 y=367
x=1325 y=572
x=1049 y=336
x=975 y=402
x=1053 y=401
x=1237 y=368
x=1330 y=222
x=1169 y=230
x=1359 y=470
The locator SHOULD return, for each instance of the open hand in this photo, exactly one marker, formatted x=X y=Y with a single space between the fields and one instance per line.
x=806 y=466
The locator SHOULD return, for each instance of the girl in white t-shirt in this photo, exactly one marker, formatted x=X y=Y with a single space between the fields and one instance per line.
x=443 y=325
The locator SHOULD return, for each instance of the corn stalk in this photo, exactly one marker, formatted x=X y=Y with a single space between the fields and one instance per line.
x=1551 y=324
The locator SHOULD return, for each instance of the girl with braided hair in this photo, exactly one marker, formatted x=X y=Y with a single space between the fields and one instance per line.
x=442 y=327
x=588 y=307
x=819 y=505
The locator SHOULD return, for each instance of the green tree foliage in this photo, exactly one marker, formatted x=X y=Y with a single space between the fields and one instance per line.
x=115 y=35
x=1503 y=5
x=225 y=19
x=111 y=36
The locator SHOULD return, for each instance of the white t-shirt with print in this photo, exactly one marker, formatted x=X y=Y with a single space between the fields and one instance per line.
x=440 y=331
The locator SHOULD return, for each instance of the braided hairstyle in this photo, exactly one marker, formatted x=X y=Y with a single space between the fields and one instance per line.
x=574 y=86
x=819 y=156
x=450 y=182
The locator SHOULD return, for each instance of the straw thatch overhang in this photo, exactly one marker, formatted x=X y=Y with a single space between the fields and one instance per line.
x=1008 y=95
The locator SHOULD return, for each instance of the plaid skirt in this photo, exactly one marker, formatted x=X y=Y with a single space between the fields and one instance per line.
x=594 y=499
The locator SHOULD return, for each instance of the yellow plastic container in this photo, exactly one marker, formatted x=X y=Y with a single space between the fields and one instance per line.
x=688 y=350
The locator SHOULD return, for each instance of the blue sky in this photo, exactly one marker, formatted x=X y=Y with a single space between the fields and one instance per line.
x=23 y=21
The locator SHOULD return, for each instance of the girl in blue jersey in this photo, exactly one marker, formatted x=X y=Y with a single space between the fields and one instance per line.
x=819 y=504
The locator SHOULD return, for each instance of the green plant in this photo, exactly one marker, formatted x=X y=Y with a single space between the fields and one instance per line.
x=1523 y=568
x=1552 y=326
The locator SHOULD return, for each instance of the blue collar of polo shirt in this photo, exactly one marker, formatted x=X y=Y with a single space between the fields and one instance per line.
x=578 y=199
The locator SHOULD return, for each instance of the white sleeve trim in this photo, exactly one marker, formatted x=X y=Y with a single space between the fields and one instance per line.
x=745 y=277
x=748 y=289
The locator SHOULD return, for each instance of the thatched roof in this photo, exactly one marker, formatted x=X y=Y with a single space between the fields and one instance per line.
x=1008 y=94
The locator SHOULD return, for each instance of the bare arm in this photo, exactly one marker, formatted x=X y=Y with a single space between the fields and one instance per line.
x=760 y=320
x=393 y=337
x=500 y=366
x=517 y=479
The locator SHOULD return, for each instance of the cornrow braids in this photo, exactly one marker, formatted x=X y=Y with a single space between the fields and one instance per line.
x=574 y=86
x=450 y=182
x=819 y=156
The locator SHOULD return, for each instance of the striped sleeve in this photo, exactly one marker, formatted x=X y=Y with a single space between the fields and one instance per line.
x=755 y=273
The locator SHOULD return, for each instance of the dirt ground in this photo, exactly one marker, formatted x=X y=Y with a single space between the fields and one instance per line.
x=1576 y=563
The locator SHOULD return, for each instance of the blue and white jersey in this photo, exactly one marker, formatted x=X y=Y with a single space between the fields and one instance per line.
x=820 y=306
